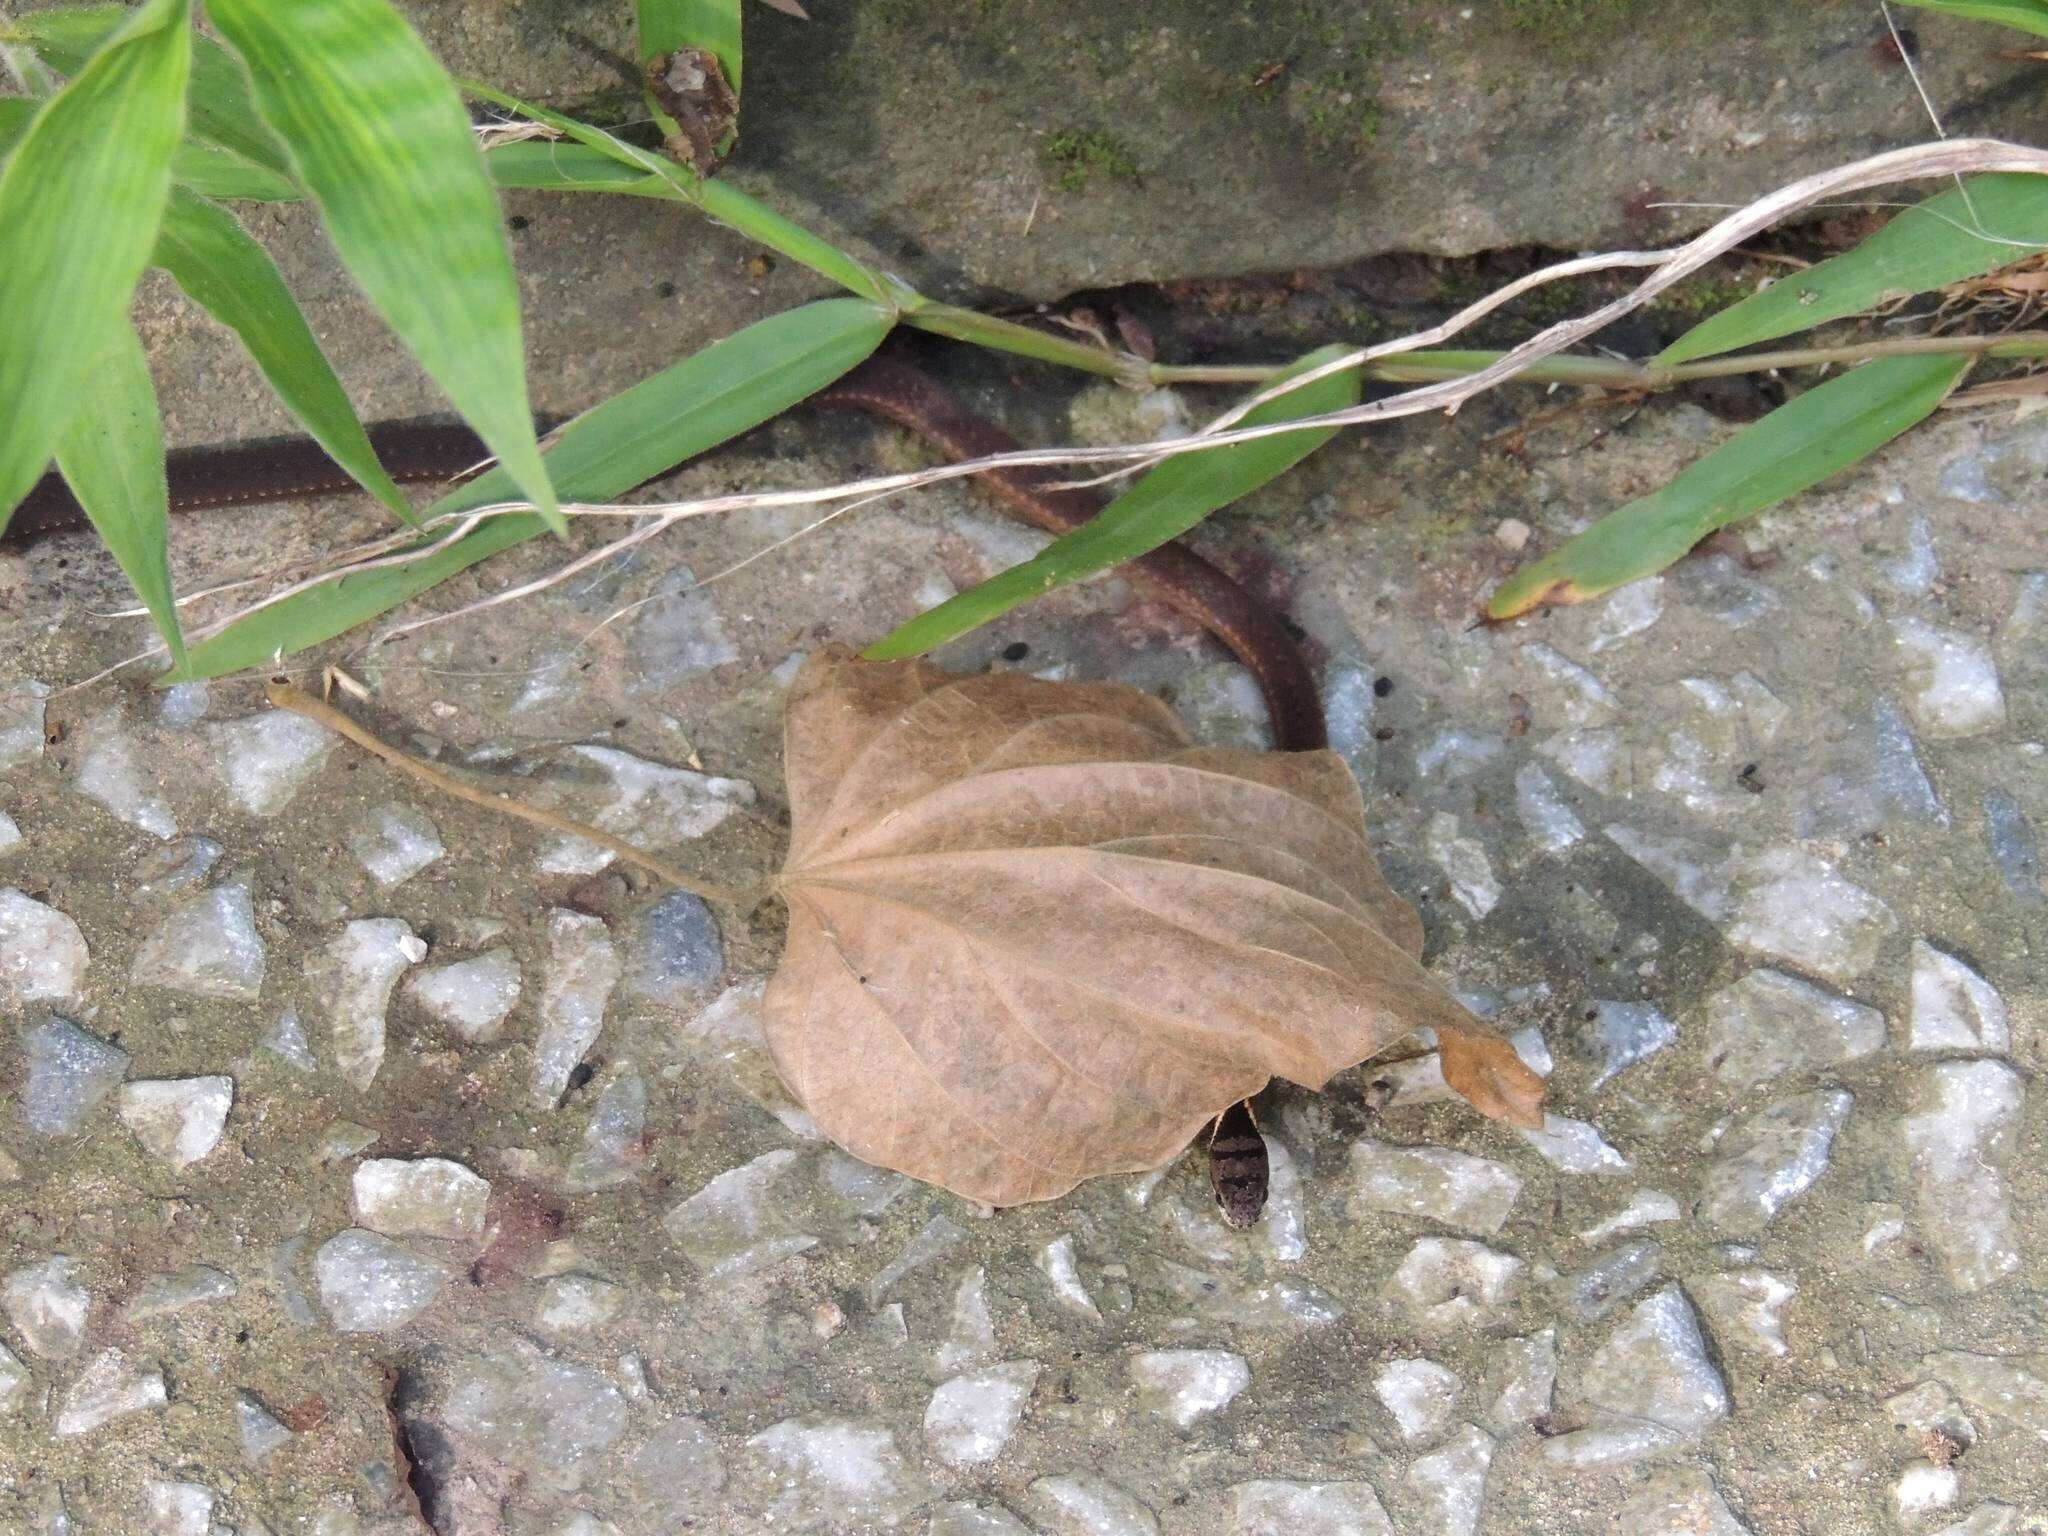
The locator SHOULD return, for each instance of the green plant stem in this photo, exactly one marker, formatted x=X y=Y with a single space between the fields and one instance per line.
x=1009 y=336
x=1616 y=373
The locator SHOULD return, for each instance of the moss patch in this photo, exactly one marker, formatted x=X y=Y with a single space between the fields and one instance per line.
x=1075 y=159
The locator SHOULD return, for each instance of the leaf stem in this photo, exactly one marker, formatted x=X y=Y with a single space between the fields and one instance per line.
x=284 y=696
x=1617 y=373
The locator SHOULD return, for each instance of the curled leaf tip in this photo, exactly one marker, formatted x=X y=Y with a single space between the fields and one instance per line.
x=1484 y=1070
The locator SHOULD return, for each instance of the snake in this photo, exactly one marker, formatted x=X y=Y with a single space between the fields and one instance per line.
x=298 y=469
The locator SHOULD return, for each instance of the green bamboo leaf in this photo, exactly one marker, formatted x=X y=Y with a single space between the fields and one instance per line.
x=380 y=138
x=112 y=456
x=80 y=198
x=554 y=166
x=224 y=271
x=2027 y=15
x=219 y=106
x=213 y=171
x=1987 y=223
x=1798 y=445
x=1168 y=501
x=713 y=395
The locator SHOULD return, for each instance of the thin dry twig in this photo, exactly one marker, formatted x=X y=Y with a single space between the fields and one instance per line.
x=284 y=696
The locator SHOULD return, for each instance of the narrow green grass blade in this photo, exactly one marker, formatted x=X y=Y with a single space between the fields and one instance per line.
x=205 y=168
x=80 y=198
x=112 y=456
x=713 y=395
x=554 y=166
x=213 y=171
x=224 y=271
x=2027 y=15
x=1168 y=501
x=1987 y=223
x=219 y=106
x=727 y=204
x=1798 y=445
x=379 y=137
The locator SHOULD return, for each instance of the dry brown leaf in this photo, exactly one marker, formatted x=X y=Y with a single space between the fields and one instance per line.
x=1035 y=935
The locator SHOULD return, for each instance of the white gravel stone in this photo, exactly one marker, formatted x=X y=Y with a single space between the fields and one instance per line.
x=959 y=1518
x=1574 y=1146
x=1960 y=1140
x=110 y=1387
x=1997 y=1387
x=971 y=1337
x=578 y=1303
x=1624 y=1033
x=1744 y=1309
x=1793 y=906
x=178 y=1120
x=166 y=1295
x=1089 y=1506
x=472 y=997
x=1420 y=1394
x=738 y=1221
x=1770 y=1159
x=835 y=1472
x=1451 y=1283
x=1449 y=1486
x=1677 y=1501
x=1923 y=1489
x=614 y=1145
x=650 y=803
x=266 y=759
x=286 y=1040
x=1650 y=1385
x=1596 y=757
x=1552 y=825
x=178 y=1509
x=10 y=833
x=1185 y=1384
x=1929 y=1408
x=971 y=1418
x=14 y=1380
x=1695 y=874
x=583 y=968
x=1273 y=1508
x=1953 y=1007
x=261 y=1430
x=1524 y=1371
x=420 y=1197
x=1056 y=1260
x=109 y=774
x=1612 y=1279
x=69 y=1072
x=1463 y=861
x=1645 y=1208
x=1769 y=1025
x=48 y=1303
x=1954 y=682
x=1629 y=612
x=42 y=953
x=1472 y=1194
x=369 y=1284
x=183 y=705
x=207 y=946
x=523 y=1409
x=362 y=965
x=394 y=843
x=1283 y=1224
x=1569 y=689
x=21 y=721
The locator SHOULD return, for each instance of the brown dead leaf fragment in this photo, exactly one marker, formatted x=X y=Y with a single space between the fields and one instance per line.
x=1036 y=935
